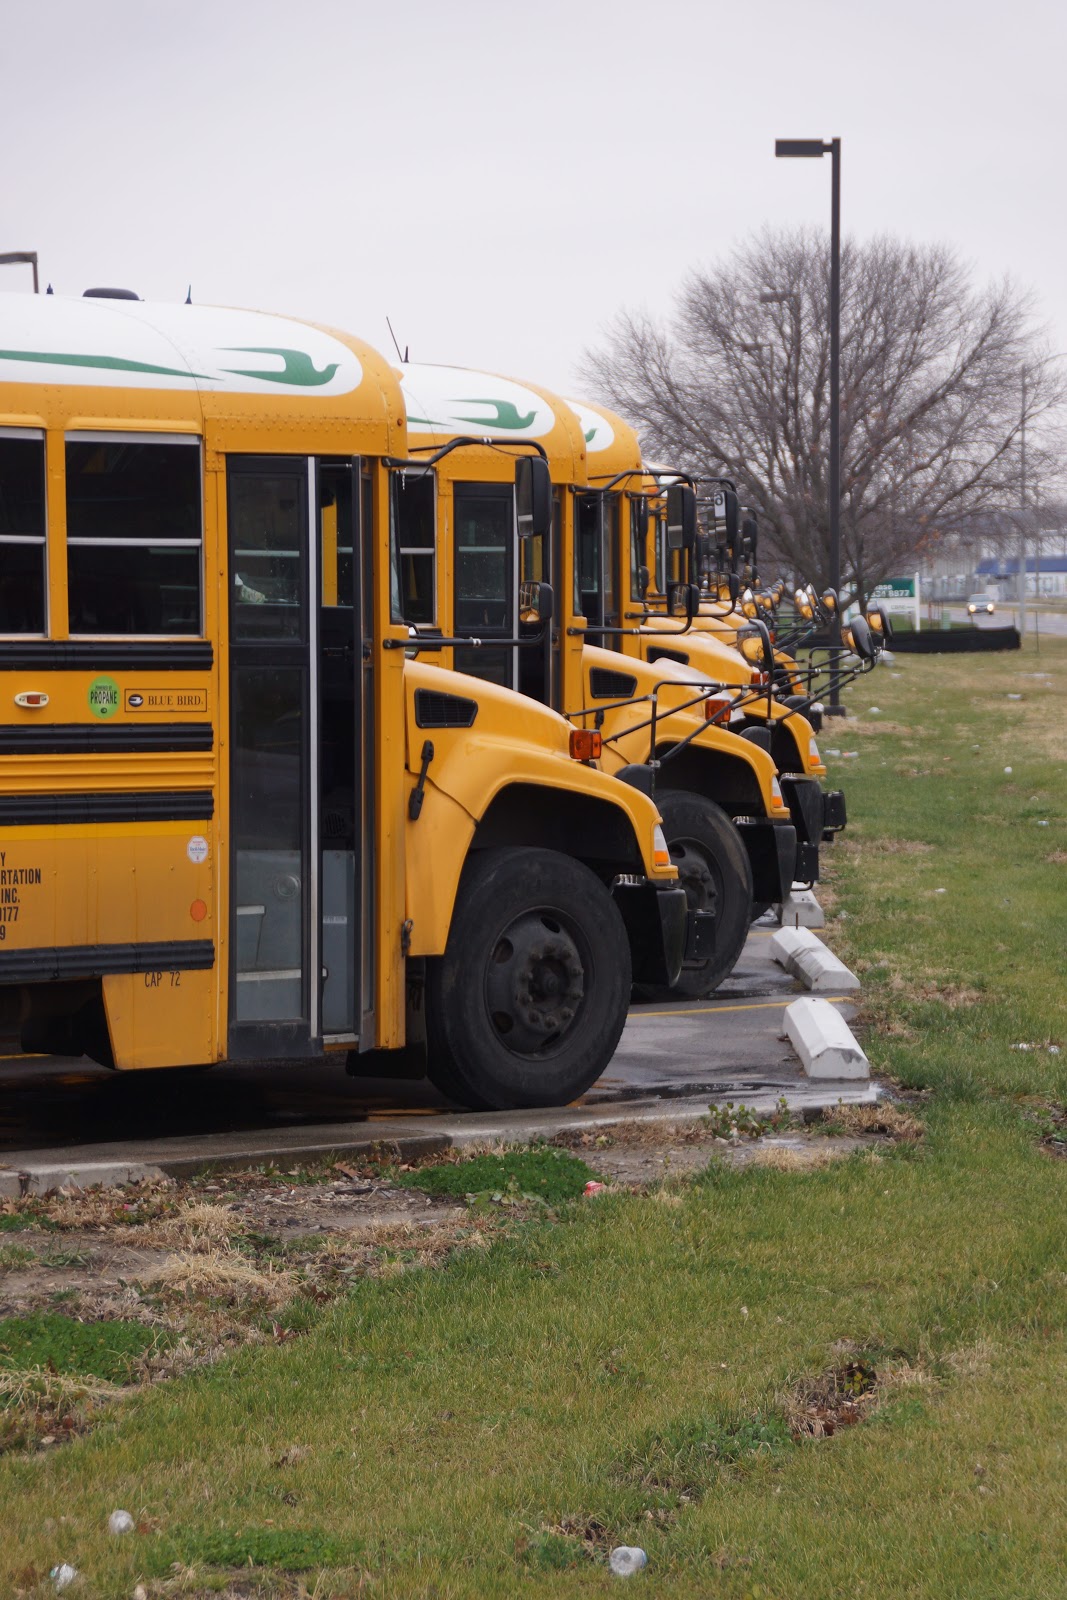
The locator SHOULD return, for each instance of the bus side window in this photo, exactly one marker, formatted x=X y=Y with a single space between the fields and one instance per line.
x=22 y=532
x=413 y=547
x=133 y=534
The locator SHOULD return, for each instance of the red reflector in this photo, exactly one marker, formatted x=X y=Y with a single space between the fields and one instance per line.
x=760 y=679
x=585 y=744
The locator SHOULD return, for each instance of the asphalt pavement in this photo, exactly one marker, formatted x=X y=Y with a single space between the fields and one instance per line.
x=64 y=1116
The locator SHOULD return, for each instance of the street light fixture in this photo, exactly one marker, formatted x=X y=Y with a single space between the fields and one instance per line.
x=817 y=147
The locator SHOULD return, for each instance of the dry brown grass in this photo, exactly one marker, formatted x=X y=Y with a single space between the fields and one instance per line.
x=795 y=1158
x=224 y=1275
x=885 y=1119
x=817 y=1408
x=1058 y=858
x=894 y=847
x=40 y=1390
x=858 y=728
x=197 y=1225
x=103 y=1208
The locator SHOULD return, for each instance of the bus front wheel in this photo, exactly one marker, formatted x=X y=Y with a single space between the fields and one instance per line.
x=527 y=1003
x=714 y=871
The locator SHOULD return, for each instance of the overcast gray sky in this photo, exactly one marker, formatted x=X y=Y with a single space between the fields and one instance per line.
x=501 y=179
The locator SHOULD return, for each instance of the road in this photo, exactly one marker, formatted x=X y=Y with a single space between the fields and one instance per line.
x=67 y=1114
x=1006 y=616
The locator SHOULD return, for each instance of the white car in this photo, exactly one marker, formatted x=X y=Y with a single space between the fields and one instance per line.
x=979 y=603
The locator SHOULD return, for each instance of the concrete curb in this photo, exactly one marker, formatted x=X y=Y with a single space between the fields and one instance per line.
x=803 y=953
x=825 y=1043
x=801 y=910
x=34 y=1172
x=35 y=1177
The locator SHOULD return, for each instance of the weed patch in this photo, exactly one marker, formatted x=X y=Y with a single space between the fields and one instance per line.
x=542 y=1172
x=61 y=1345
x=283 y=1549
x=683 y=1461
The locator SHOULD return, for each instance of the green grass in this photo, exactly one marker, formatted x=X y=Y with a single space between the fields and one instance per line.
x=15 y=1221
x=540 y=1172
x=105 y=1350
x=619 y=1371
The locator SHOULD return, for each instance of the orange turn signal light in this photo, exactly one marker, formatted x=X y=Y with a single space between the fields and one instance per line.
x=585 y=744
x=717 y=707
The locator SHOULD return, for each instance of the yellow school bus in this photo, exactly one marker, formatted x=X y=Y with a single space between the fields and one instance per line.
x=645 y=568
x=236 y=820
x=460 y=577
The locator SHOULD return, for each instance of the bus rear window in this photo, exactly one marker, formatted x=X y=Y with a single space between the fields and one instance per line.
x=133 y=535
x=22 y=533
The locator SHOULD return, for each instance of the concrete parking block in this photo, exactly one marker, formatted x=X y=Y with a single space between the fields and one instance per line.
x=789 y=942
x=822 y=972
x=803 y=954
x=801 y=910
x=823 y=1040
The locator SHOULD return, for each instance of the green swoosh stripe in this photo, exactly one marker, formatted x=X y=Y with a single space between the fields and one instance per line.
x=54 y=358
x=591 y=435
x=299 y=370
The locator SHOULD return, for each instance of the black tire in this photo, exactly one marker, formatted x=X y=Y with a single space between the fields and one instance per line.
x=527 y=1003
x=714 y=870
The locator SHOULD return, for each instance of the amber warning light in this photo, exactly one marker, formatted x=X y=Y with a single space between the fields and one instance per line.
x=585 y=744
x=31 y=699
x=717 y=707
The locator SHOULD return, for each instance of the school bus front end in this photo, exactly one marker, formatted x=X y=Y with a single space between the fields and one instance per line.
x=538 y=890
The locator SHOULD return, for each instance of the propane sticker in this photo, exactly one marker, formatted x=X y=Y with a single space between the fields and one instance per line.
x=104 y=697
x=196 y=849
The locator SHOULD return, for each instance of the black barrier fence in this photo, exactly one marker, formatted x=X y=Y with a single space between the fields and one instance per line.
x=955 y=641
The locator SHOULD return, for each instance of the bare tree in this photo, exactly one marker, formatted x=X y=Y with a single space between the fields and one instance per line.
x=932 y=399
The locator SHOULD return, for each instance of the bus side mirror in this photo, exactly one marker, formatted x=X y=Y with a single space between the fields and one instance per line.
x=684 y=600
x=862 y=643
x=725 y=509
x=749 y=536
x=533 y=497
x=644 y=578
x=681 y=517
x=734 y=584
x=536 y=602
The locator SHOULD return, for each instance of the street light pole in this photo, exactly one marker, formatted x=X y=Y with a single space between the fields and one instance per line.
x=1022 y=519
x=817 y=147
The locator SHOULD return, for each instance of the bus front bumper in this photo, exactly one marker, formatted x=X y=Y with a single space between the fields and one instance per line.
x=657 y=925
x=772 y=855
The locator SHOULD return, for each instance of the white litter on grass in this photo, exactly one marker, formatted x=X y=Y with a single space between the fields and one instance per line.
x=849 y=755
x=896 y=674
x=875 y=711
x=940 y=891
x=1015 y=697
x=1041 y=822
x=120 y=1522
x=63 y=1575
x=626 y=1559
x=833 y=752
x=1007 y=769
